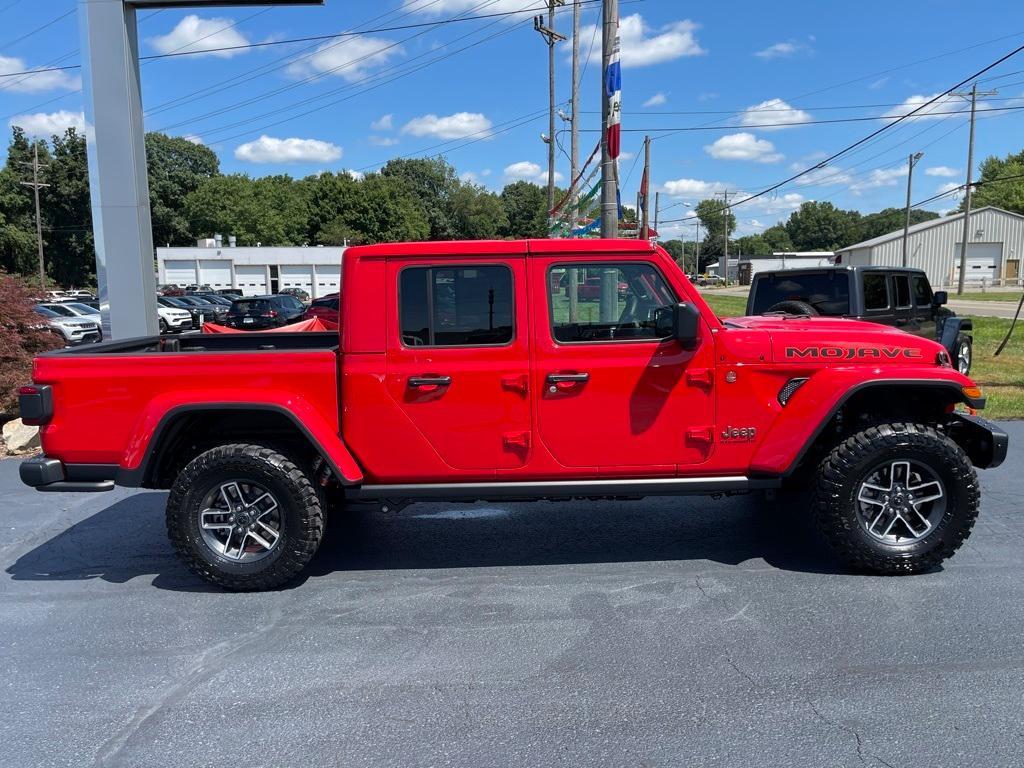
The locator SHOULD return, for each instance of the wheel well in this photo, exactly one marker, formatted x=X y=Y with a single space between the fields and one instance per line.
x=188 y=434
x=877 y=404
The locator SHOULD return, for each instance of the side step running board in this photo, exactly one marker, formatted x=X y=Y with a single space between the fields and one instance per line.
x=546 y=489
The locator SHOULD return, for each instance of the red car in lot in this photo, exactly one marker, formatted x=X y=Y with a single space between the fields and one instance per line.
x=325 y=309
x=462 y=372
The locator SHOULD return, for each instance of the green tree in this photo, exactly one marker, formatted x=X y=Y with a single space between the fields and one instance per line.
x=17 y=212
x=822 y=227
x=1008 y=193
x=753 y=245
x=272 y=210
x=67 y=213
x=718 y=224
x=433 y=183
x=477 y=214
x=777 y=238
x=381 y=210
x=889 y=220
x=525 y=205
x=331 y=196
x=175 y=167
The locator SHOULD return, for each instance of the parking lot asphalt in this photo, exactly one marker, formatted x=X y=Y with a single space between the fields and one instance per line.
x=663 y=632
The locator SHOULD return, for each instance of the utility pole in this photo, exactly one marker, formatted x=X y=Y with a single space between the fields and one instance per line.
x=974 y=94
x=657 y=204
x=611 y=114
x=550 y=37
x=725 y=228
x=574 y=108
x=696 y=249
x=36 y=185
x=645 y=184
x=911 y=162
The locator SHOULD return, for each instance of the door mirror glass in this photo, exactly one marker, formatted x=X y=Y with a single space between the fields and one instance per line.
x=939 y=298
x=679 y=321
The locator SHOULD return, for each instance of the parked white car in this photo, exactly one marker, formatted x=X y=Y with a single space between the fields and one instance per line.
x=174 y=320
x=74 y=309
x=74 y=330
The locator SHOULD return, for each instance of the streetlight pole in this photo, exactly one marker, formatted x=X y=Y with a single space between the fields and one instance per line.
x=611 y=107
x=911 y=162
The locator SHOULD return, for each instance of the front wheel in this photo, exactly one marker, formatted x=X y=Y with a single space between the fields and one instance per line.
x=896 y=498
x=244 y=517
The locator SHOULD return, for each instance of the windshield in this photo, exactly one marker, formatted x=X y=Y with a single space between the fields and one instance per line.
x=46 y=312
x=325 y=303
x=81 y=309
x=827 y=292
x=173 y=302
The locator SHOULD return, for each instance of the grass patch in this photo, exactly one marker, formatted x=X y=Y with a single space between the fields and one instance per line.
x=1001 y=378
x=1011 y=296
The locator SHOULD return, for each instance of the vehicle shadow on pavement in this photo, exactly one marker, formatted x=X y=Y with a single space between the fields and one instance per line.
x=128 y=539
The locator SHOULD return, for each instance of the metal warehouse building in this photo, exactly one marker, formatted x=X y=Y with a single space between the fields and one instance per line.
x=994 y=247
x=751 y=265
x=252 y=271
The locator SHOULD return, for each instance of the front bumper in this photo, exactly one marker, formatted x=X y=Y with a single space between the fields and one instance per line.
x=45 y=474
x=984 y=442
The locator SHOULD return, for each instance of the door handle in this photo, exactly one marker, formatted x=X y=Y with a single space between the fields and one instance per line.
x=568 y=378
x=429 y=381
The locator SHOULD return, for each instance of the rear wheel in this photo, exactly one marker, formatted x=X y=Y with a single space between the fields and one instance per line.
x=244 y=517
x=896 y=498
x=964 y=354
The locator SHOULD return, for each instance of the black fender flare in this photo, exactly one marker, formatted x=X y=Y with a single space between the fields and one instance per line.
x=952 y=327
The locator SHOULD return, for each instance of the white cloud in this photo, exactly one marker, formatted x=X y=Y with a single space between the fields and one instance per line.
x=385 y=123
x=357 y=175
x=194 y=139
x=525 y=170
x=773 y=114
x=947 y=187
x=946 y=104
x=351 y=61
x=743 y=146
x=943 y=171
x=383 y=141
x=469 y=177
x=41 y=81
x=820 y=177
x=485 y=172
x=197 y=34
x=771 y=206
x=656 y=100
x=880 y=177
x=641 y=48
x=270 y=150
x=46 y=124
x=694 y=188
x=458 y=126
x=878 y=83
x=782 y=50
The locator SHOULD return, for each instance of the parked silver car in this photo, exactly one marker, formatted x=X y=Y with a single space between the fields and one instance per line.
x=74 y=330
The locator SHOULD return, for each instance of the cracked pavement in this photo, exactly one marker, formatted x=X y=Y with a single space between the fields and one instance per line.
x=662 y=632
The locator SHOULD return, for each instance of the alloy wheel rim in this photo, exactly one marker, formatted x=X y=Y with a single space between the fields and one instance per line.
x=901 y=501
x=963 y=359
x=241 y=521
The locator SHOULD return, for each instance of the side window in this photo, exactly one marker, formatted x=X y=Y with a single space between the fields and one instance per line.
x=876 y=291
x=614 y=302
x=456 y=306
x=902 y=283
x=922 y=291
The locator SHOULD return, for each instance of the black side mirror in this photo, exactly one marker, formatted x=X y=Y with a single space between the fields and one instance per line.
x=939 y=298
x=679 y=321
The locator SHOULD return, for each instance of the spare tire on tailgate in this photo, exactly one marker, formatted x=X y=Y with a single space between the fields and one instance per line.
x=793 y=308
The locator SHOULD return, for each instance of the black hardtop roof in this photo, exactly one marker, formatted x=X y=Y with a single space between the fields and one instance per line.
x=837 y=268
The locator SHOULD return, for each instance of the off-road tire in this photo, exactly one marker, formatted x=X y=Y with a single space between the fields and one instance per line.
x=963 y=341
x=799 y=308
x=838 y=480
x=302 y=527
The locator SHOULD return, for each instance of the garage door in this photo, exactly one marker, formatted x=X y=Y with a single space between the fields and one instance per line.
x=180 y=272
x=983 y=263
x=215 y=273
x=297 y=277
x=250 y=280
x=328 y=280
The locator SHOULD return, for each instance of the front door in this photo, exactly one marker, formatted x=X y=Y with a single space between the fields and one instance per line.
x=458 y=365
x=611 y=395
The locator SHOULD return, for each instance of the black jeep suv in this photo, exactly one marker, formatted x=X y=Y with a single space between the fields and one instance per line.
x=889 y=295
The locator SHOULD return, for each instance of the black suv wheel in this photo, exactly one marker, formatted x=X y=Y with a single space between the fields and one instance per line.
x=896 y=498
x=964 y=354
x=244 y=517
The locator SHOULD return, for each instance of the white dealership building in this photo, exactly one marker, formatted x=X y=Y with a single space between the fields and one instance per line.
x=252 y=271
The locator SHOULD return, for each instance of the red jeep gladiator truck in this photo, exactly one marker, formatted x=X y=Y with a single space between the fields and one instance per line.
x=464 y=371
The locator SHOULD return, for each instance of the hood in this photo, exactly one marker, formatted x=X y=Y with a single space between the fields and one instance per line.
x=72 y=322
x=839 y=341
x=173 y=312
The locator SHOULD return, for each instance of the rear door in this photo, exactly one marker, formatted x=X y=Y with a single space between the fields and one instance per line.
x=611 y=394
x=924 y=309
x=458 y=357
x=904 y=316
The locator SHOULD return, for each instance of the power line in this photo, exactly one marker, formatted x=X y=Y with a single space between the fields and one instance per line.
x=962 y=187
x=880 y=130
x=37 y=30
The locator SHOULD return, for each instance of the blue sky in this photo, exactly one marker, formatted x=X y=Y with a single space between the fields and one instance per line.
x=734 y=68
